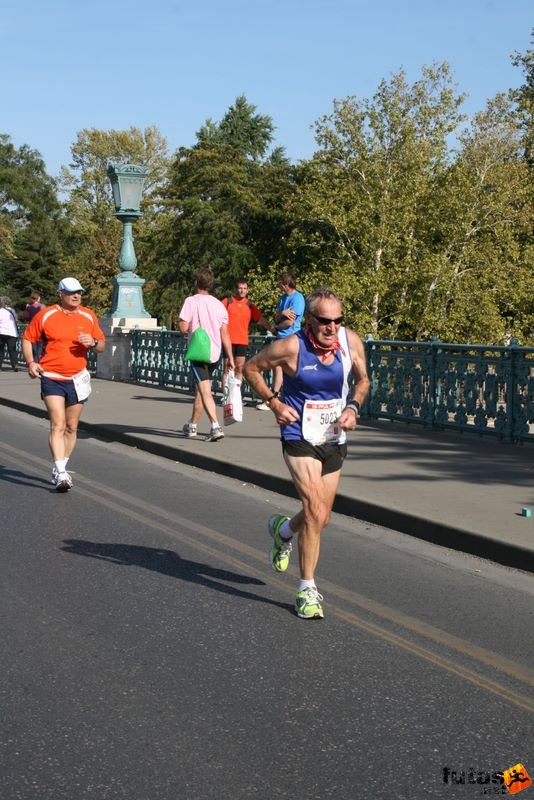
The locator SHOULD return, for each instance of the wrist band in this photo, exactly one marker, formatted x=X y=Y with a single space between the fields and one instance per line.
x=354 y=406
x=272 y=397
x=30 y=363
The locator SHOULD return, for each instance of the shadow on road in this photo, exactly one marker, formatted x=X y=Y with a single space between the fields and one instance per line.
x=24 y=478
x=167 y=562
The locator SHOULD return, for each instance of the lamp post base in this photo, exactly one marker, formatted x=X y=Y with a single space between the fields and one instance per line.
x=127 y=298
x=114 y=363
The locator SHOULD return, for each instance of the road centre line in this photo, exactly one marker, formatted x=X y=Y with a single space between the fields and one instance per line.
x=117 y=499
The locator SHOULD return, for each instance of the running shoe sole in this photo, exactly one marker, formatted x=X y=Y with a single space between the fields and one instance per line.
x=317 y=615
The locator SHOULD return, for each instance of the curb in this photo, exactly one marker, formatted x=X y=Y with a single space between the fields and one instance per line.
x=438 y=533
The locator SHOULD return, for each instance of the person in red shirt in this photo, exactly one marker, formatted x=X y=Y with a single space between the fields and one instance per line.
x=69 y=331
x=241 y=312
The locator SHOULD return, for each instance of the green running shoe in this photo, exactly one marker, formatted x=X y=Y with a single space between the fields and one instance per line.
x=279 y=554
x=308 y=604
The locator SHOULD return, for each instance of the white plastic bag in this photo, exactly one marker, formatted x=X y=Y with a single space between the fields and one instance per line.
x=232 y=401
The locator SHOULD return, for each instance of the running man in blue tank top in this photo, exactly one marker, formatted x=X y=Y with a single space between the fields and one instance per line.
x=316 y=411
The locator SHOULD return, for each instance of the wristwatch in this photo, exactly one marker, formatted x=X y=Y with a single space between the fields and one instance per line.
x=354 y=406
x=95 y=344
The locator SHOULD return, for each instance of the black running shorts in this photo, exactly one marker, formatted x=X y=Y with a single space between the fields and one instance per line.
x=331 y=456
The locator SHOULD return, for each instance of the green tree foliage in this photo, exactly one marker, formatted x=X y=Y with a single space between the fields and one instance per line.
x=424 y=225
x=478 y=286
x=364 y=205
x=94 y=234
x=223 y=207
x=241 y=128
x=30 y=224
x=524 y=97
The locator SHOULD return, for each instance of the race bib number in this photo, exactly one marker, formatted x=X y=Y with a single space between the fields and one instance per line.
x=82 y=384
x=320 y=421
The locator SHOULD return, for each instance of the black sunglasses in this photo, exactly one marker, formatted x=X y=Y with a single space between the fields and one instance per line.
x=327 y=320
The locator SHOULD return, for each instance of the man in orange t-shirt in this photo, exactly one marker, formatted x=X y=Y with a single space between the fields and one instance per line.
x=69 y=331
x=241 y=312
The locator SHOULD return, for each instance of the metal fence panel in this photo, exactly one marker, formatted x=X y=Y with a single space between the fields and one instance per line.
x=484 y=389
x=158 y=358
x=480 y=388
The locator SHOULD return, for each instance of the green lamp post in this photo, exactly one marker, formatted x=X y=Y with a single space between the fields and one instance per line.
x=127 y=182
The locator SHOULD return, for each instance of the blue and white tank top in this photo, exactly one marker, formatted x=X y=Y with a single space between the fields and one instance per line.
x=318 y=392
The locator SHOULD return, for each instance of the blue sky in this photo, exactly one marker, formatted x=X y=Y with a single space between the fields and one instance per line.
x=112 y=64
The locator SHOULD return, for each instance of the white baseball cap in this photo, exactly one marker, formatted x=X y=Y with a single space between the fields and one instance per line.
x=70 y=285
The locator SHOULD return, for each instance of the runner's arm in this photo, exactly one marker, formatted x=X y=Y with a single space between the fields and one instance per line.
x=349 y=416
x=227 y=344
x=92 y=342
x=95 y=340
x=34 y=370
x=282 y=353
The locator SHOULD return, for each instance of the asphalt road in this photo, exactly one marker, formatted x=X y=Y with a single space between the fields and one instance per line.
x=150 y=653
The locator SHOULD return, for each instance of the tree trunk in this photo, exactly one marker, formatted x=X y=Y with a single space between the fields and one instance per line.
x=375 y=305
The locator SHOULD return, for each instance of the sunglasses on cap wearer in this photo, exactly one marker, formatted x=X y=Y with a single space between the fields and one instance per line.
x=78 y=291
x=327 y=320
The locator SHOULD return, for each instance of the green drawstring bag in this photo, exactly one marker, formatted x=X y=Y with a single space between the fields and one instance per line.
x=199 y=347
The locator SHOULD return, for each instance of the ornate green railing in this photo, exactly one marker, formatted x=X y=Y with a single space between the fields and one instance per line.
x=484 y=389
x=479 y=388
x=157 y=357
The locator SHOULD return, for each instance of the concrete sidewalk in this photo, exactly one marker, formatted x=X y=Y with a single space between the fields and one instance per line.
x=460 y=491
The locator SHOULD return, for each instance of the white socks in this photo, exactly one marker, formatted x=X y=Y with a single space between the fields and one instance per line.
x=306 y=585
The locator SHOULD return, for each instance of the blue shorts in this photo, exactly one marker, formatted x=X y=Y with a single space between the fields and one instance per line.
x=65 y=389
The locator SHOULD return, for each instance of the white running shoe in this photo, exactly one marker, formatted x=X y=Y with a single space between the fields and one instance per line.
x=64 y=482
x=189 y=430
x=215 y=435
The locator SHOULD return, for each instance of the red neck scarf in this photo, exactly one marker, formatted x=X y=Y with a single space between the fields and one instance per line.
x=320 y=350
